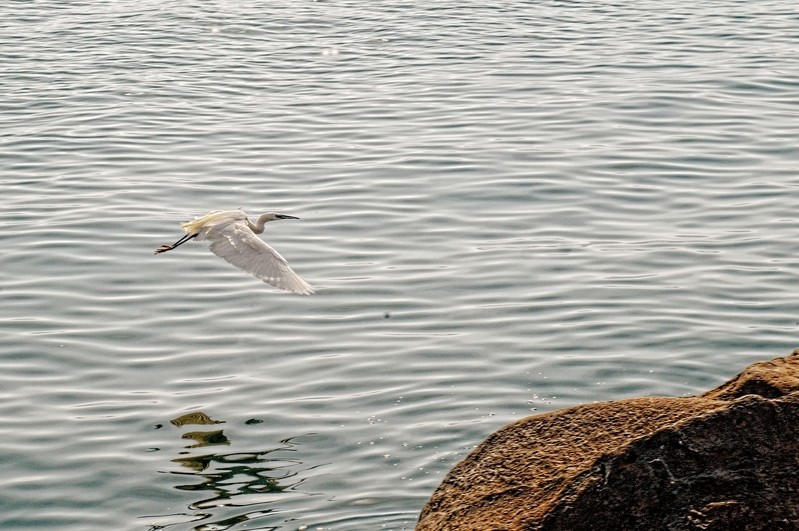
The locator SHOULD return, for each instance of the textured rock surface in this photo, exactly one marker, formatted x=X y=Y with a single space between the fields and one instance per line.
x=725 y=460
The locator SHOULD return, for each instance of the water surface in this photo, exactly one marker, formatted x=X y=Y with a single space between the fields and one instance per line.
x=505 y=210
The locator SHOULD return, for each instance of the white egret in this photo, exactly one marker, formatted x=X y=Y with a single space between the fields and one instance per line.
x=233 y=237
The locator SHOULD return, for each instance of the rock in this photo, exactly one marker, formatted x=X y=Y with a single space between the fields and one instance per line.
x=725 y=460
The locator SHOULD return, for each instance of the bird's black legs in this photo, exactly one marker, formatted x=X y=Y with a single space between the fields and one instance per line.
x=165 y=248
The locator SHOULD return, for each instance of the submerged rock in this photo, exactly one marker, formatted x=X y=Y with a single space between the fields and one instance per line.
x=724 y=460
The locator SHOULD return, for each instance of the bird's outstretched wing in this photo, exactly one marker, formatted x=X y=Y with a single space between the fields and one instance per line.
x=236 y=243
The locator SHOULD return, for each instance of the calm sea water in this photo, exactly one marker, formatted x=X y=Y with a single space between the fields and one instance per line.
x=505 y=209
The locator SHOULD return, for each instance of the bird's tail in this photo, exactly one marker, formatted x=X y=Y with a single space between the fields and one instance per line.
x=193 y=227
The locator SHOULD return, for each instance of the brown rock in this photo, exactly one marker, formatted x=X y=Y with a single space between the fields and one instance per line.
x=725 y=460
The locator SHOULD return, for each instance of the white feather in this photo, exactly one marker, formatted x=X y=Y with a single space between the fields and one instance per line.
x=236 y=243
x=232 y=239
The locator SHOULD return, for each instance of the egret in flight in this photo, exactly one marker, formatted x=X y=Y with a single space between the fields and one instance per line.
x=233 y=237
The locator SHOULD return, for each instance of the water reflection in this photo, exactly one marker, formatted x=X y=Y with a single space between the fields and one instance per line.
x=206 y=438
x=232 y=487
x=195 y=417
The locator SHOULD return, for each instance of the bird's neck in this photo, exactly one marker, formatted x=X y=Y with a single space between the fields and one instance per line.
x=258 y=227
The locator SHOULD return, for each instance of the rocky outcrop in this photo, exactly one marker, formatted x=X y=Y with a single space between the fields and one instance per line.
x=726 y=460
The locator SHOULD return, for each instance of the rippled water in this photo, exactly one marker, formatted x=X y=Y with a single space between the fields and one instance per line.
x=504 y=209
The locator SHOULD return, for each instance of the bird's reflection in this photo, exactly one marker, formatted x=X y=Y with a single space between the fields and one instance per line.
x=228 y=481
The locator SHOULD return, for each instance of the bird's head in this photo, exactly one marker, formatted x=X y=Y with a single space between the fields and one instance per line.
x=274 y=216
x=258 y=228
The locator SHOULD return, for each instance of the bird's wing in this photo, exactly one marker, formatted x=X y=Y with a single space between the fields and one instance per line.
x=236 y=243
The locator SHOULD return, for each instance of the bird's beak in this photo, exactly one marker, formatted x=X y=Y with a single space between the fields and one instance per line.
x=284 y=216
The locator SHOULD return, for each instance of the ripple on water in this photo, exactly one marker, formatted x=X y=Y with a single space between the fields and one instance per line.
x=504 y=211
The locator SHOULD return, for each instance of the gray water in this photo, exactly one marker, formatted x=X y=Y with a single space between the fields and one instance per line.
x=505 y=210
